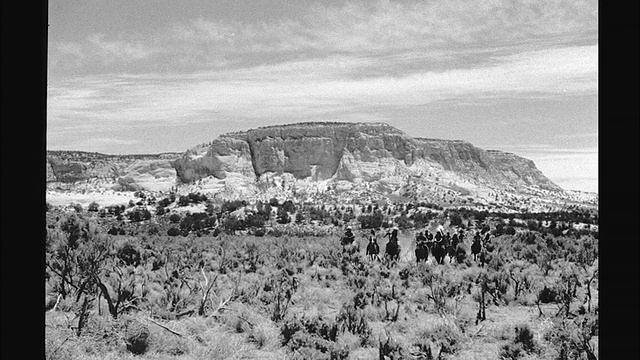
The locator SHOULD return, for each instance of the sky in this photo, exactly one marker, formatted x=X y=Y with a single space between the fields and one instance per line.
x=151 y=76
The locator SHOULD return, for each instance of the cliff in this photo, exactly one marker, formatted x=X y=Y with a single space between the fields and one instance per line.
x=352 y=152
x=119 y=172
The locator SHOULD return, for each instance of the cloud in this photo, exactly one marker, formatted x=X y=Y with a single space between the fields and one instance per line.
x=312 y=88
x=112 y=51
x=593 y=135
x=356 y=28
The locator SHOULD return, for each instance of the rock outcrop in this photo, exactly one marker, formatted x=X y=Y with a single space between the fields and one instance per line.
x=118 y=172
x=352 y=152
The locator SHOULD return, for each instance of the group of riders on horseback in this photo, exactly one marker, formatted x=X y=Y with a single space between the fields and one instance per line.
x=438 y=245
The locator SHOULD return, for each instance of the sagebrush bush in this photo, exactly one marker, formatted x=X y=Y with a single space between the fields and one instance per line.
x=522 y=344
x=313 y=338
x=548 y=295
x=129 y=254
x=390 y=349
x=136 y=337
x=446 y=337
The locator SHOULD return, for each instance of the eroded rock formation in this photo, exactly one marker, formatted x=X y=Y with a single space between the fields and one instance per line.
x=355 y=152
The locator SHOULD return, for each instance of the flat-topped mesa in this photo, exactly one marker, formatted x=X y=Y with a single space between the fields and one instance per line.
x=74 y=166
x=303 y=150
x=346 y=151
x=355 y=152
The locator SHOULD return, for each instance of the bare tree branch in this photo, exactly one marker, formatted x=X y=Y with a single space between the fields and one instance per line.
x=166 y=328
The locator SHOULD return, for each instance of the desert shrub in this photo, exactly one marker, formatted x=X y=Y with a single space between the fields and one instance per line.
x=522 y=344
x=312 y=338
x=174 y=218
x=129 y=255
x=255 y=220
x=231 y=206
x=278 y=290
x=164 y=202
x=572 y=337
x=197 y=197
x=116 y=231
x=93 y=207
x=442 y=287
x=183 y=200
x=283 y=216
x=231 y=224
x=455 y=220
x=173 y=232
x=447 y=337
x=136 y=337
x=139 y=215
x=288 y=206
x=390 y=349
x=371 y=221
x=196 y=221
x=353 y=319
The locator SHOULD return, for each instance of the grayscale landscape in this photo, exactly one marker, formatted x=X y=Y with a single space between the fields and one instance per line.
x=322 y=180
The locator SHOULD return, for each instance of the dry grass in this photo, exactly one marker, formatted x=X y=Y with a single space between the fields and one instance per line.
x=244 y=330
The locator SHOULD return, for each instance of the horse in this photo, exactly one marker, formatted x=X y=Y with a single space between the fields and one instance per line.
x=450 y=250
x=485 y=256
x=454 y=240
x=348 y=239
x=422 y=252
x=373 y=250
x=392 y=250
x=476 y=246
x=438 y=252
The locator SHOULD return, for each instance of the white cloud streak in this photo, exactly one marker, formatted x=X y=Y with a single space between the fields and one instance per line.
x=357 y=28
x=313 y=88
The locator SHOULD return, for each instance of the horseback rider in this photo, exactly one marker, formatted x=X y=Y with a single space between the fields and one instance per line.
x=393 y=248
x=393 y=234
x=438 y=236
x=348 y=237
x=461 y=236
x=373 y=249
x=476 y=246
x=487 y=238
x=422 y=249
x=454 y=240
x=428 y=235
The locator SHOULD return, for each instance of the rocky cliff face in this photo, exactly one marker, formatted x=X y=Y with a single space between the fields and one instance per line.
x=313 y=150
x=488 y=166
x=355 y=152
x=120 y=172
x=351 y=151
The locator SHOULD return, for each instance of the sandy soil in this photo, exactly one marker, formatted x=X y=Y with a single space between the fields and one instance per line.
x=105 y=198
